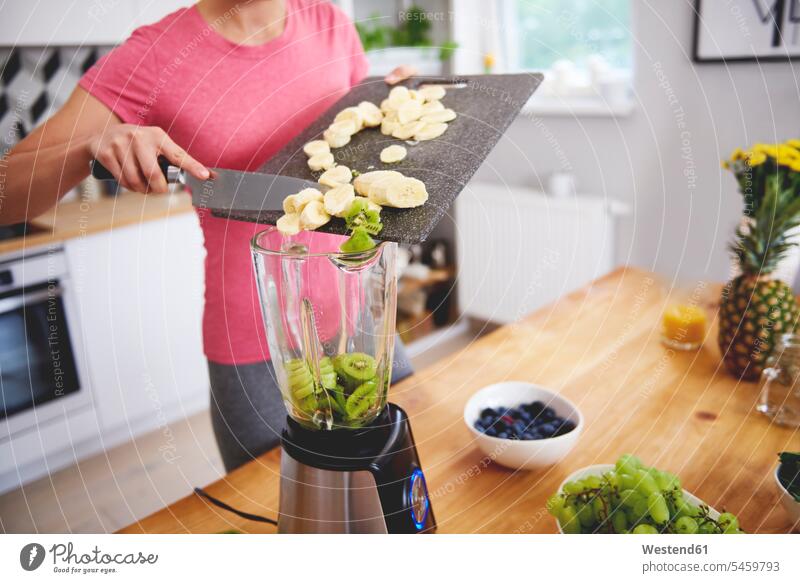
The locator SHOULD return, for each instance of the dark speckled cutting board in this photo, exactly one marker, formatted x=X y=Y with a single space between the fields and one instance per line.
x=485 y=104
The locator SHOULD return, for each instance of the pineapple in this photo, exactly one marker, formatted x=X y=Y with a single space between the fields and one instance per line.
x=756 y=310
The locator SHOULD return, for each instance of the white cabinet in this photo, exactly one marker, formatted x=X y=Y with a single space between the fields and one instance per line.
x=90 y=22
x=140 y=294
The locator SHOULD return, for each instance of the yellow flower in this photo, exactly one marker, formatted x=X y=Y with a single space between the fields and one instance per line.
x=756 y=158
x=738 y=154
x=768 y=149
x=793 y=143
x=488 y=61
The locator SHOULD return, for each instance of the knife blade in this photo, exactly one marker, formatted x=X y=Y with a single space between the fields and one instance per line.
x=229 y=190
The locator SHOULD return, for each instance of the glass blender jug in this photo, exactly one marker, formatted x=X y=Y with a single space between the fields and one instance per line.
x=330 y=320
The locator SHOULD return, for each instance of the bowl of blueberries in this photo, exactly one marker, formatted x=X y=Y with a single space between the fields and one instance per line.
x=523 y=425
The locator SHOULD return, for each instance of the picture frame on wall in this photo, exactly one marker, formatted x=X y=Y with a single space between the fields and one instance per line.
x=727 y=31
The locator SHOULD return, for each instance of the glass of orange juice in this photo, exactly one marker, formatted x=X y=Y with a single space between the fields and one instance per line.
x=683 y=326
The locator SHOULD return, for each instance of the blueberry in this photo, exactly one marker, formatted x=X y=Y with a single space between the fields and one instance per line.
x=502 y=435
x=566 y=427
x=487 y=420
x=525 y=416
x=547 y=430
x=535 y=407
x=548 y=413
x=479 y=426
x=518 y=427
x=491 y=432
x=488 y=412
x=529 y=435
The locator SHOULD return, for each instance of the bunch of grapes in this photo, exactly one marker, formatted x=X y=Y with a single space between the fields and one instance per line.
x=636 y=499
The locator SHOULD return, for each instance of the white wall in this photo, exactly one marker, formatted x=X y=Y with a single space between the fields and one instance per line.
x=677 y=227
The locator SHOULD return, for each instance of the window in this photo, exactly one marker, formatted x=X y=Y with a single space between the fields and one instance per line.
x=583 y=46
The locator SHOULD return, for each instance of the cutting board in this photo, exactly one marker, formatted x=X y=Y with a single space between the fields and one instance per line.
x=486 y=105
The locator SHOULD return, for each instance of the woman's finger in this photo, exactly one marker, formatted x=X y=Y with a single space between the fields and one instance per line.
x=147 y=160
x=400 y=73
x=180 y=158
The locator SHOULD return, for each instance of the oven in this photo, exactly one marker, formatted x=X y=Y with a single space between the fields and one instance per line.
x=40 y=374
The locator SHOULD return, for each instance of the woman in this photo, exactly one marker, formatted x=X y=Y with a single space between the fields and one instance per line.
x=221 y=84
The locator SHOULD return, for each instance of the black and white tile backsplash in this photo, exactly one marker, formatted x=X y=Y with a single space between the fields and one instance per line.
x=34 y=82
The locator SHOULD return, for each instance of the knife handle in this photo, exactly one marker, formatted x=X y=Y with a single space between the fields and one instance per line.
x=171 y=173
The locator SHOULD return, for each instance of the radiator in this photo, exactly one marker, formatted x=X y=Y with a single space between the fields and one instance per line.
x=519 y=249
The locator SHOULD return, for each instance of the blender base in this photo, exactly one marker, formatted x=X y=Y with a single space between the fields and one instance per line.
x=361 y=481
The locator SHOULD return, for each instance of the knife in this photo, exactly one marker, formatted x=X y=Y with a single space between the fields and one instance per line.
x=228 y=190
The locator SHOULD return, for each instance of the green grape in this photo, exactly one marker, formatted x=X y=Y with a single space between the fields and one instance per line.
x=628 y=498
x=667 y=481
x=684 y=508
x=619 y=521
x=707 y=527
x=659 y=511
x=728 y=521
x=645 y=529
x=554 y=504
x=585 y=515
x=599 y=509
x=627 y=481
x=612 y=479
x=641 y=509
x=592 y=482
x=568 y=520
x=573 y=487
x=645 y=484
x=628 y=464
x=686 y=525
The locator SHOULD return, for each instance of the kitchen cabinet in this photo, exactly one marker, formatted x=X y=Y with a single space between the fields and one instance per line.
x=97 y=22
x=139 y=291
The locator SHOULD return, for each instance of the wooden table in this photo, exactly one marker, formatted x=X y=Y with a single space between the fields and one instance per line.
x=600 y=347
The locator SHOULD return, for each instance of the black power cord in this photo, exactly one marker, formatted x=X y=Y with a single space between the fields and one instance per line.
x=246 y=515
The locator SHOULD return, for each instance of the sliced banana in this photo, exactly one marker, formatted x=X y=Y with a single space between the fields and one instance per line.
x=397 y=96
x=289 y=224
x=409 y=111
x=416 y=95
x=345 y=126
x=433 y=92
x=380 y=185
x=409 y=130
x=363 y=181
x=432 y=106
x=439 y=116
x=338 y=199
x=388 y=126
x=313 y=216
x=404 y=193
x=371 y=114
x=430 y=131
x=321 y=162
x=335 y=140
x=392 y=154
x=351 y=114
x=386 y=106
x=294 y=203
x=336 y=176
x=315 y=147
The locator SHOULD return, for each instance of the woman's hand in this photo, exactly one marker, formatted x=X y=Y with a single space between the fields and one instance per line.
x=130 y=152
x=400 y=73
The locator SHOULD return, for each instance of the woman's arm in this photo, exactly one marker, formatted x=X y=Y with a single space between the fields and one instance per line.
x=55 y=157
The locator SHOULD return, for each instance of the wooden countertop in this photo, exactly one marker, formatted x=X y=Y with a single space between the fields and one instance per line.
x=599 y=346
x=68 y=220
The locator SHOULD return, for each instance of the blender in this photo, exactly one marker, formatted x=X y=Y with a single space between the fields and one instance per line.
x=348 y=462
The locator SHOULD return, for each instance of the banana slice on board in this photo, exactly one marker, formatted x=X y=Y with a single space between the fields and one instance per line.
x=294 y=203
x=409 y=130
x=397 y=96
x=402 y=192
x=338 y=199
x=315 y=147
x=432 y=92
x=388 y=126
x=430 y=131
x=335 y=140
x=392 y=154
x=371 y=113
x=289 y=224
x=313 y=216
x=409 y=111
x=345 y=126
x=441 y=116
x=321 y=162
x=379 y=186
x=387 y=107
x=432 y=106
x=336 y=176
x=351 y=114
x=363 y=181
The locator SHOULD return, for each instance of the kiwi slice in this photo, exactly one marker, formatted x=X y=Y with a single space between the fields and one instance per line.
x=338 y=393
x=361 y=399
x=327 y=373
x=355 y=367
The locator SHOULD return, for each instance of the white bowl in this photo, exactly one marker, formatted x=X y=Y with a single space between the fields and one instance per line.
x=791 y=505
x=600 y=469
x=515 y=453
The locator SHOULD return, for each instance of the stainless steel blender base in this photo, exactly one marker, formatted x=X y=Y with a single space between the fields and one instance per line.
x=319 y=501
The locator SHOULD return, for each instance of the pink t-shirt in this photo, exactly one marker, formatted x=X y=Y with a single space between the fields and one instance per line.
x=231 y=106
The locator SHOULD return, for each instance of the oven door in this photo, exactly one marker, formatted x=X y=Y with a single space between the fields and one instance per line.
x=39 y=375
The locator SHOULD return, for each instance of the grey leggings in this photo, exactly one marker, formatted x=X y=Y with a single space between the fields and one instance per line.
x=247 y=410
